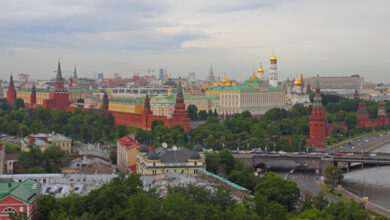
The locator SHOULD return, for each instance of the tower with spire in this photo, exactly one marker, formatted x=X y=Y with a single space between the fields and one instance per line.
x=33 y=97
x=211 y=77
x=273 y=71
x=318 y=125
x=105 y=101
x=59 y=97
x=11 y=92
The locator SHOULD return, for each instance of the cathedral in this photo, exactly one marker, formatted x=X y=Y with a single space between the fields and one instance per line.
x=297 y=93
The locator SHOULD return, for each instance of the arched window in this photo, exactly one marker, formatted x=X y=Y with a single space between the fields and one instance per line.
x=9 y=209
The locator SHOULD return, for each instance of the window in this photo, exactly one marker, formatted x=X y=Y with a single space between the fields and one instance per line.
x=21 y=209
x=195 y=163
x=44 y=181
x=10 y=209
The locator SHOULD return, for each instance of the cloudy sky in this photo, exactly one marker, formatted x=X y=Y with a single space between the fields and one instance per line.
x=325 y=37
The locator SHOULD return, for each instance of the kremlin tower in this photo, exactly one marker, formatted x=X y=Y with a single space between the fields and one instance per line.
x=105 y=101
x=33 y=98
x=318 y=124
x=59 y=97
x=11 y=92
x=273 y=71
x=179 y=115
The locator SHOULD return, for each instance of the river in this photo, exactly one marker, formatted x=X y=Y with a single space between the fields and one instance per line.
x=371 y=182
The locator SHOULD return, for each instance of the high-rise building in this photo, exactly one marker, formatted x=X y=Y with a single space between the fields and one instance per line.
x=273 y=71
x=161 y=75
x=211 y=77
x=191 y=78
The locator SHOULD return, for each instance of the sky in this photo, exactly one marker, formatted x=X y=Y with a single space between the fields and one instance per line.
x=327 y=37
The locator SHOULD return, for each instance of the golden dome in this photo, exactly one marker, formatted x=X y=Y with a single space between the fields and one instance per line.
x=225 y=80
x=207 y=87
x=253 y=76
x=216 y=83
x=260 y=70
x=297 y=82
x=234 y=83
x=287 y=96
x=273 y=58
x=228 y=84
x=169 y=90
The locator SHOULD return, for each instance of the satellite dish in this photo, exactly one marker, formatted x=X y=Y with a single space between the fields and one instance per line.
x=174 y=148
x=164 y=145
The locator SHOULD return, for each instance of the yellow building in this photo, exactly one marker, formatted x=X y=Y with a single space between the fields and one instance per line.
x=126 y=105
x=43 y=94
x=43 y=141
x=170 y=160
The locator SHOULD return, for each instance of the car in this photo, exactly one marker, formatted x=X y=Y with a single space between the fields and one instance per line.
x=338 y=154
x=372 y=155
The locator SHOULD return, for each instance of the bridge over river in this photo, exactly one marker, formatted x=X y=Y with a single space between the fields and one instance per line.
x=320 y=160
x=317 y=160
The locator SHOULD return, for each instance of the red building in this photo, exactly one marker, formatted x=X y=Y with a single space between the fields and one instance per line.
x=59 y=97
x=11 y=92
x=19 y=197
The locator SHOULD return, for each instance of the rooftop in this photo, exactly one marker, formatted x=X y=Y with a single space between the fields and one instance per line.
x=26 y=191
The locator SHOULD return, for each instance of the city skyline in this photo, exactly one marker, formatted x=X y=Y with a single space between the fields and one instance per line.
x=329 y=38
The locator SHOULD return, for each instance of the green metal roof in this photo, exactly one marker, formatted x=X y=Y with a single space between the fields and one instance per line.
x=168 y=100
x=26 y=191
x=201 y=97
x=124 y=100
x=224 y=180
x=83 y=90
x=233 y=88
x=274 y=88
x=92 y=97
x=37 y=90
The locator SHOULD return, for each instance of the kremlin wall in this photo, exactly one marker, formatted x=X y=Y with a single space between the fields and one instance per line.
x=59 y=99
x=254 y=95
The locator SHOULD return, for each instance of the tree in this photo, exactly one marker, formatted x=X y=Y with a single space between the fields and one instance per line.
x=203 y=115
x=192 y=112
x=320 y=202
x=338 y=131
x=19 y=103
x=333 y=176
x=351 y=120
x=36 y=161
x=274 y=188
x=156 y=123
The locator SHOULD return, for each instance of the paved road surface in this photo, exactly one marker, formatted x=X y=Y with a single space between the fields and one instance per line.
x=307 y=184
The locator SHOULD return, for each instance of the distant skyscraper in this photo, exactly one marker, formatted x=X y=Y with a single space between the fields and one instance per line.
x=273 y=71
x=161 y=75
x=165 y=74
x=211 y=74
x=191 y=77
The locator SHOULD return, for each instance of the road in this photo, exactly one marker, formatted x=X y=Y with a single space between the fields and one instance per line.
x=307 y=184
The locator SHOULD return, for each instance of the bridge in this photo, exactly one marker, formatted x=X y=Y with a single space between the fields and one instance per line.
x=318 y=160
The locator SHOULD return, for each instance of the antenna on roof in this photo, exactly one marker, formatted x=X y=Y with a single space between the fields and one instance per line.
x=174 y=148
x=164 y=145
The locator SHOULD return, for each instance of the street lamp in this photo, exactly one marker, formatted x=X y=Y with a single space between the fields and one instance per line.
x=238 y=144
x=274 y=137
x=266 y=144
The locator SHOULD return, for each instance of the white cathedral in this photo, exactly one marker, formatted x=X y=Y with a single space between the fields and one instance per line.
x=297 y=93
